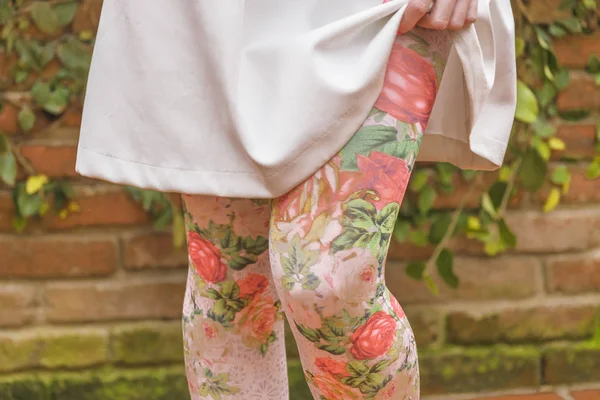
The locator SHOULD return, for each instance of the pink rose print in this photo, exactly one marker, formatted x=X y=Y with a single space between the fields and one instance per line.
x=386 y=174
x=331 y=366
x=252 y=285
x=409 y=87
x=255 y=322
x=206 y=258
x=396 y=307
x=374 y=338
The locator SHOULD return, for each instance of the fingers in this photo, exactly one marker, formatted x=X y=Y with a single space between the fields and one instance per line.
x=450 y=14
x=439 y=16
x=415 y=10
x=472 y=13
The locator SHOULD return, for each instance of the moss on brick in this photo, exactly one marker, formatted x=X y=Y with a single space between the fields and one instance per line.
x=453 y=370
x=572 y=363
x=81 y=349
x=147 y=343
x=147 y=384
x=18 y=353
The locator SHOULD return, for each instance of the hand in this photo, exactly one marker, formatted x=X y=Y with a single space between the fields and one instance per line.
x=439 y=14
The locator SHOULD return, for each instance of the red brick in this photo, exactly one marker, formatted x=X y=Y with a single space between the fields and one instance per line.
x=17 y=303
x=87 y=16
x=523 y=325
x=153 y=250
x=575 y=51
x=114 y=300
x=461 y=189
x=539 y=396
x=7 y=210
x=586 y=395
x=573 y=274
x=580 y=141
x=581 y=190
x=9 y=122
x=558 y=231
x=49 y=256
x=101 y=206
x=545 y=11
x=54 y=161
x=480 y=279
x=582 y=93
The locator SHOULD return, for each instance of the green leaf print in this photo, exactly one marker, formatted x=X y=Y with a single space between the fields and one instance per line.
x=334 y=349
x=376 y=138
x=357 y=368
x=381 y=365
x=230 y=289
x=364 y=227
x=216 y=385
x=255 y=246
x=308 y=332
x=296 y=266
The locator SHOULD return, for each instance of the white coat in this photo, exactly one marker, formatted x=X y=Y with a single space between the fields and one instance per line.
x=247 y=98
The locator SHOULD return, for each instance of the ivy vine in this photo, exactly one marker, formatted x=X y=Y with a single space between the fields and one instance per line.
x=45 y=70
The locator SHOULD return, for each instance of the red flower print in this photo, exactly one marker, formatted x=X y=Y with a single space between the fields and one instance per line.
x=387 y=175
x=396 y=307
x=374 y=338
x=409 y=87
x=206 y=258
x=332 y=389
x=331 y=366
x=252 y=285
x=255 y=322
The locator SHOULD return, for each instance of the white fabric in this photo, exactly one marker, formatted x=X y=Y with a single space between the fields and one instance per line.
x=247 y=98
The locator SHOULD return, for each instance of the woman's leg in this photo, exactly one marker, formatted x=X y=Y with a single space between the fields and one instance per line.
x=232 y=319
x=329 y=239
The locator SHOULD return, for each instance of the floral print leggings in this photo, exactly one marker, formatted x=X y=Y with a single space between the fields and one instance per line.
x=315 y=255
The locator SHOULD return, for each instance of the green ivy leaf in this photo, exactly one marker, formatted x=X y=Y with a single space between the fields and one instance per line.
x=26 y=119
x=562 y=78
x=401 y=230
x=593 y=64
x=532 y=171
x=419 y=180
x=508 y=238
x=445 y=267
x=74 y=55
x=574 y=115
x=58 y=101
x=560 y=175
x=488 y=206
x=415 y=270
x=44 y=17
x=8 y=168
x=527 y=106
x=519 y=46
x=426 y=199
x=439 y=227
x=418 y=238
x=40 y=92
x=552 y=200
x=28 y=205
x=65 y=12
x=593 y=170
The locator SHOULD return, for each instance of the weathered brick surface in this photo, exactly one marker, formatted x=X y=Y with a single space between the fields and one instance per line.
x=571 y=364
x=475 y=370
x=575 y=51
x=426 y=325
x=17 y=304
x=101 y=206
x=75 y=349
x=18 y=352
x=559 y=231
x=147 y=343
x=63 y=255
x=582 y=93
x=573 y=274
x=580 y=140
x=54 y=161
x=586 y=395
x=6 y=211
x=113 y=301
x=539 y=396
x=545 y=11
x=480 y=279
x=152 y=250
x=523 y=325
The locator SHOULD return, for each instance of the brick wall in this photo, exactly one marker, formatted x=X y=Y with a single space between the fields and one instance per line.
x=91 y=304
